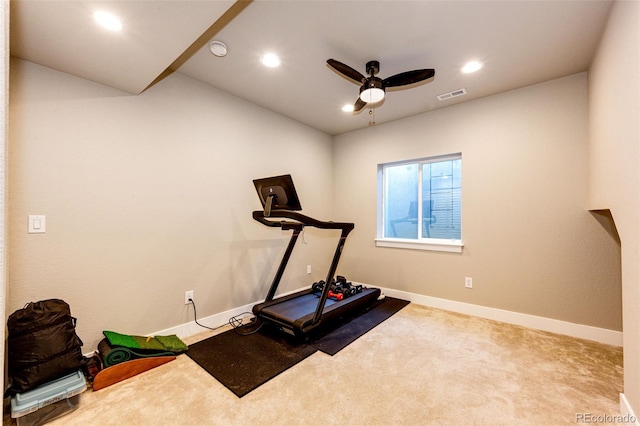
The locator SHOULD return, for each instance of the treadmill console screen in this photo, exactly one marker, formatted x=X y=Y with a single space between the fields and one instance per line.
x=277 y=193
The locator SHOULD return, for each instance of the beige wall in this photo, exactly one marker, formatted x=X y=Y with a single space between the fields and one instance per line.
x=614 y=99
x=148 y=196
x=531 y=246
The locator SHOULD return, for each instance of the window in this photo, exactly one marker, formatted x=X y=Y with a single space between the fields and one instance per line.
x=420 y=204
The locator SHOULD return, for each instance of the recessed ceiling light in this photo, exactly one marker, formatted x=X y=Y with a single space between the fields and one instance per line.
x=472 y=66
x=271 y=60
x=107 y=20
x=347 y=108
x=218 y=48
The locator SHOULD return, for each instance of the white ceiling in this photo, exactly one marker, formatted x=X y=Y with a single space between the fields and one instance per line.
x=520 y=42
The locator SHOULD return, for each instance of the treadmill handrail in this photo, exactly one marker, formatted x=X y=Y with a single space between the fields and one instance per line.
x=301 y=219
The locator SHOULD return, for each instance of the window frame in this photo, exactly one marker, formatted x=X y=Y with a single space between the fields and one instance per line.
x=422 y=242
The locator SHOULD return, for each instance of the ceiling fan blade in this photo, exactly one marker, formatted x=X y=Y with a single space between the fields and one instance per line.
x=346 y=71
x=359 y=105
x=408 y=77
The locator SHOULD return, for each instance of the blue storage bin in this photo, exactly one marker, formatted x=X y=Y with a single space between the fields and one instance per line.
x=48 y=401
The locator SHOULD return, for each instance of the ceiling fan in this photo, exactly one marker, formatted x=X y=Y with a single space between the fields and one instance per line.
x=373 y=88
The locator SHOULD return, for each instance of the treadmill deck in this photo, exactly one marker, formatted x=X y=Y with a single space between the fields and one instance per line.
x=294 y=313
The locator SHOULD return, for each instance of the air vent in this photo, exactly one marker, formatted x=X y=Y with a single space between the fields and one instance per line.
x=453 y=94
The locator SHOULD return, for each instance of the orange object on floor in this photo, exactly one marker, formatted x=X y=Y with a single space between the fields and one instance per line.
x=124 y=370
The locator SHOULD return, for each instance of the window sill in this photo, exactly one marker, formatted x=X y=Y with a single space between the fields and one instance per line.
x=432 y=244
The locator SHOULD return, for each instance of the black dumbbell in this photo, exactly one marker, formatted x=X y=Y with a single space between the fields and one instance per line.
x=318 y=286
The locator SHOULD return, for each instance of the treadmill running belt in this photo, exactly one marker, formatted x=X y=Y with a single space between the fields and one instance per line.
x=298 y=307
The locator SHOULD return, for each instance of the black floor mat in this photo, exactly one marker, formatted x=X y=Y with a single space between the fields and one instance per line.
x=242 y=363
x=334 y=339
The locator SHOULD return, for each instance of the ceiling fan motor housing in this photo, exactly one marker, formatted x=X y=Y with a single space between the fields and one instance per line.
x=373 y=67
x=372 y=83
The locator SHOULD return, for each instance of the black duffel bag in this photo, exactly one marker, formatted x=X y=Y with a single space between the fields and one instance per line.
x=42 y=345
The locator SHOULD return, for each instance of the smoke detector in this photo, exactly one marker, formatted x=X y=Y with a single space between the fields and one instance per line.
x=218 y=48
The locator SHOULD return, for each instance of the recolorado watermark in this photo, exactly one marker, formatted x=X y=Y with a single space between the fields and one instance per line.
x=605 y=418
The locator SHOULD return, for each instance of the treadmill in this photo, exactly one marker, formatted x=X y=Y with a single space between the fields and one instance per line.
x=301 y=312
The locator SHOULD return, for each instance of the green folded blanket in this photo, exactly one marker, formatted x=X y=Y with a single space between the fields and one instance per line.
x=170 y=343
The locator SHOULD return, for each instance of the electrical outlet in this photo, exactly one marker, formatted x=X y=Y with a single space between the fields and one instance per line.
x=308 y=269
x=468 y=282
x=188 y=295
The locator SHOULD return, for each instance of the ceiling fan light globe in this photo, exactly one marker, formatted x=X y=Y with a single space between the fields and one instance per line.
x=372 y=95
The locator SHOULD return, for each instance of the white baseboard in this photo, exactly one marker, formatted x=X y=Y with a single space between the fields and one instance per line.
x=581 y=331
x=628 y=416
x=191 y=328
x=610 y=337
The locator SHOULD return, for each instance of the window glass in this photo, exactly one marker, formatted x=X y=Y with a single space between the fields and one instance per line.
x=441 y=190
x=421 y=199
x=401 y=200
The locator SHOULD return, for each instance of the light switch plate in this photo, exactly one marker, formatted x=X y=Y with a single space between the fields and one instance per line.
x=37 y=224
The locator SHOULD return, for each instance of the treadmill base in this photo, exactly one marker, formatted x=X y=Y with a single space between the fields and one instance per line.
x=294 y=313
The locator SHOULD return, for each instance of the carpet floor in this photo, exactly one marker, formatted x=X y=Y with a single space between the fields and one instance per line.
x=421 y=366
